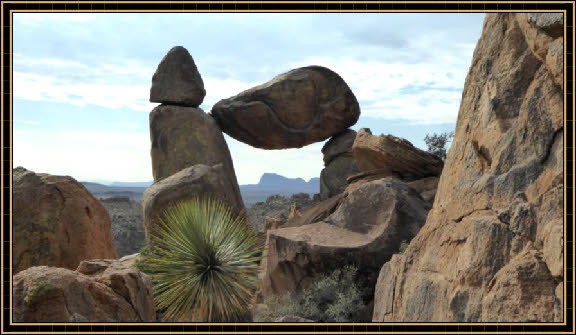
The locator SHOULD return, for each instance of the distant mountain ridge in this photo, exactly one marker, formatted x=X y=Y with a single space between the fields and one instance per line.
x=269 y=184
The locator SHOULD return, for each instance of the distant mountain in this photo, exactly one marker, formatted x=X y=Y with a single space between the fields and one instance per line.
x=132 y=184
x=269 y=184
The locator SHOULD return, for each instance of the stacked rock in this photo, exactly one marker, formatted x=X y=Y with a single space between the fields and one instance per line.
x=190 y=156
x=339 y=164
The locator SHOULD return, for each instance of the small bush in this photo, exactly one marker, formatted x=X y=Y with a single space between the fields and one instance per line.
x=335 y=297
x=436 y=143
x=403 y=245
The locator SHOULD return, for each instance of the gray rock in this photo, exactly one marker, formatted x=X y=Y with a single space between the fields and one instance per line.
x=126 y=223
x=333 y=178
x=338 y=145
x=177 y=80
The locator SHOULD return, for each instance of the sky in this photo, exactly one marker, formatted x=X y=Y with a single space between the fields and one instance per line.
x=81 y=81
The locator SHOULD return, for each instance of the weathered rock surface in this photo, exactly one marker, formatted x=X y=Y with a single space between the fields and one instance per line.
x=294 y=109
x=366 y=229
x=338 y=145
x=393 y=156
x=99 y=291
x=56 y=222
x=196 y=181
x=127 y=224
x=339 y=162
x=185 y=136
x=177 y=80
x=275 y=206
x=491 y=246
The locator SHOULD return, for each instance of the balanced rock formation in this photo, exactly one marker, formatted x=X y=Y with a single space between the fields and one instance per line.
x=387 y=155
x=185 y=136
x=339 y=162
x=56 y=222
x=365 y=230
x=196 y=181
x=177 y=80
x=98 y=291
x=126 y=223
x=492 y=246
x=294 y=109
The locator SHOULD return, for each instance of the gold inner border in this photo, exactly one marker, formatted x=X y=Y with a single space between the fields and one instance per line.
x=504 y=325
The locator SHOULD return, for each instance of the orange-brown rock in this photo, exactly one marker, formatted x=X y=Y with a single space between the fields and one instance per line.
x=393 y=156
x=365 y=230
x=56 y=222
x=491 y=248
x=196 y=181
x=98 y=291
x=294 y=109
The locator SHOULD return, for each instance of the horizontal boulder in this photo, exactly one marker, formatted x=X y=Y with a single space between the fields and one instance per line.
x=98 y=291
x=294 y=109
x=393 y=156
x=56 y=222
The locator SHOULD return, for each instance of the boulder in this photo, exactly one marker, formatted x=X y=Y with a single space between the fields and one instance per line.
x=196 y=181
x=294 y=109
x=98 y=291
x=492 y=243
x=333 y=178
x=56 y=222
x=185 y=136
x=365 y=230
x=338 y=145
x=177 y=80
x=339 y=162
x=394 y=156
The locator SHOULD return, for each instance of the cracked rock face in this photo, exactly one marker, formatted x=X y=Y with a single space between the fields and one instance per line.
x=491 y=248
x=294 y=109
x=56 y=222
x=100 y=290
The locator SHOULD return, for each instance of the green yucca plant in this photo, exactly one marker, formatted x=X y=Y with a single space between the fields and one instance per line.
x=203 y=259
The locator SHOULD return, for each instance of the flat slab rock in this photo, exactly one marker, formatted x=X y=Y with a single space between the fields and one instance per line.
x=177 y=80
x=294 y=109
x=394 y=156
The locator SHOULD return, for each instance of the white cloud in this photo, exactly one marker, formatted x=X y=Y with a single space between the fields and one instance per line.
x=42 y=18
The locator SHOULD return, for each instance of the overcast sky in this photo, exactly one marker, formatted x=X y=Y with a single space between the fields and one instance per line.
x=82 y=81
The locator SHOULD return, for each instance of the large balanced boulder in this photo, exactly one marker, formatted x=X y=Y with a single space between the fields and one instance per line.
x=56 y=222
x=492 y=246
x=365 y=230
x=388 y=155
x=98 y=291
x=294 y=109
x=177 y=80
x=339 y=162
x=185 y=136
x=196 y=181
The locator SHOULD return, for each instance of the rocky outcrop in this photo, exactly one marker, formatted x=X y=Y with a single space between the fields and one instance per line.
x=185 y=136
x=339 y=162
x=294 y=109
x=491 y=249
x=387 y=155
x=196 y=181
x=177 y=80
x=365 y=230
x=98 y=291
x=276 y=206
x=56 y=222
x=126 y=223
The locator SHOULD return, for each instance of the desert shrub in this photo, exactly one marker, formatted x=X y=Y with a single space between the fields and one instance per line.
x=335 y=297
x=403 y=245
x=203 y=260
x=436 y=143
